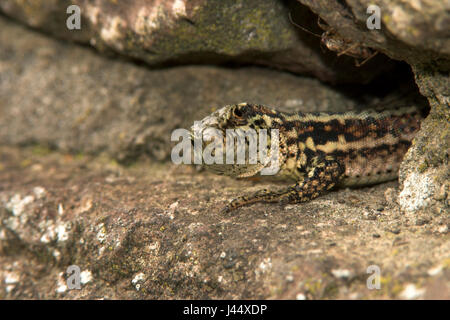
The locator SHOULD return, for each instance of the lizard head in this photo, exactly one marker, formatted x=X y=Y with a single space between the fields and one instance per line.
x=239 y=116
x=241 y=122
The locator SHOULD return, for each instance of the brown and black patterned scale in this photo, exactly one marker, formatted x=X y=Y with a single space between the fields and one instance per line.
x=321 y=150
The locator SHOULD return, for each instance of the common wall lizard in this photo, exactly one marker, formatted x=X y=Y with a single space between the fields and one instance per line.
x=321 y=150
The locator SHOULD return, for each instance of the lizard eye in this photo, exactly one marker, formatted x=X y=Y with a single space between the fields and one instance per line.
x=237 y=112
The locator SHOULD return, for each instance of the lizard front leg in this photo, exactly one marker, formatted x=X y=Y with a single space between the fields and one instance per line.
x=323 y=174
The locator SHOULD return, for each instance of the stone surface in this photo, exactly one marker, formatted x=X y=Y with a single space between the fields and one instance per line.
x=69 y=98
x=153 y=231
x=425 y=171
x=179 y=31
x=413 y=31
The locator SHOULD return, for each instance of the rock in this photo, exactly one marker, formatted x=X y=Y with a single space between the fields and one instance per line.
x=125 y=246
x=152 y=230
x=425 y=171
x=259 y=32
x=342 y=273
x=69 y=98
x=413 y=31
x=411 y=292
x=179 y=31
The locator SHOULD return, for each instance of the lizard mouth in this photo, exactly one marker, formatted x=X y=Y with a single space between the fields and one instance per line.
x=203 y=131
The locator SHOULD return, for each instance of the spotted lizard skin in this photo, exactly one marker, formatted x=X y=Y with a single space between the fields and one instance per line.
x=320 y=150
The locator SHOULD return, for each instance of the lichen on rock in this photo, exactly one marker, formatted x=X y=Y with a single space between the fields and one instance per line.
x=85 y=141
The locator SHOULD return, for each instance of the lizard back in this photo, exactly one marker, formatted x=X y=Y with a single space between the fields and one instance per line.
x=371 y=144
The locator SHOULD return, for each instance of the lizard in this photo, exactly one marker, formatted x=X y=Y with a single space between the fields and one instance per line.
x=319 y=150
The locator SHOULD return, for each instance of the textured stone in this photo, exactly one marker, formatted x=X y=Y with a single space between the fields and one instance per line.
x=414 y=31
x=69 y=98
x=178 y=31
x=153 y=231
x=425 y=171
